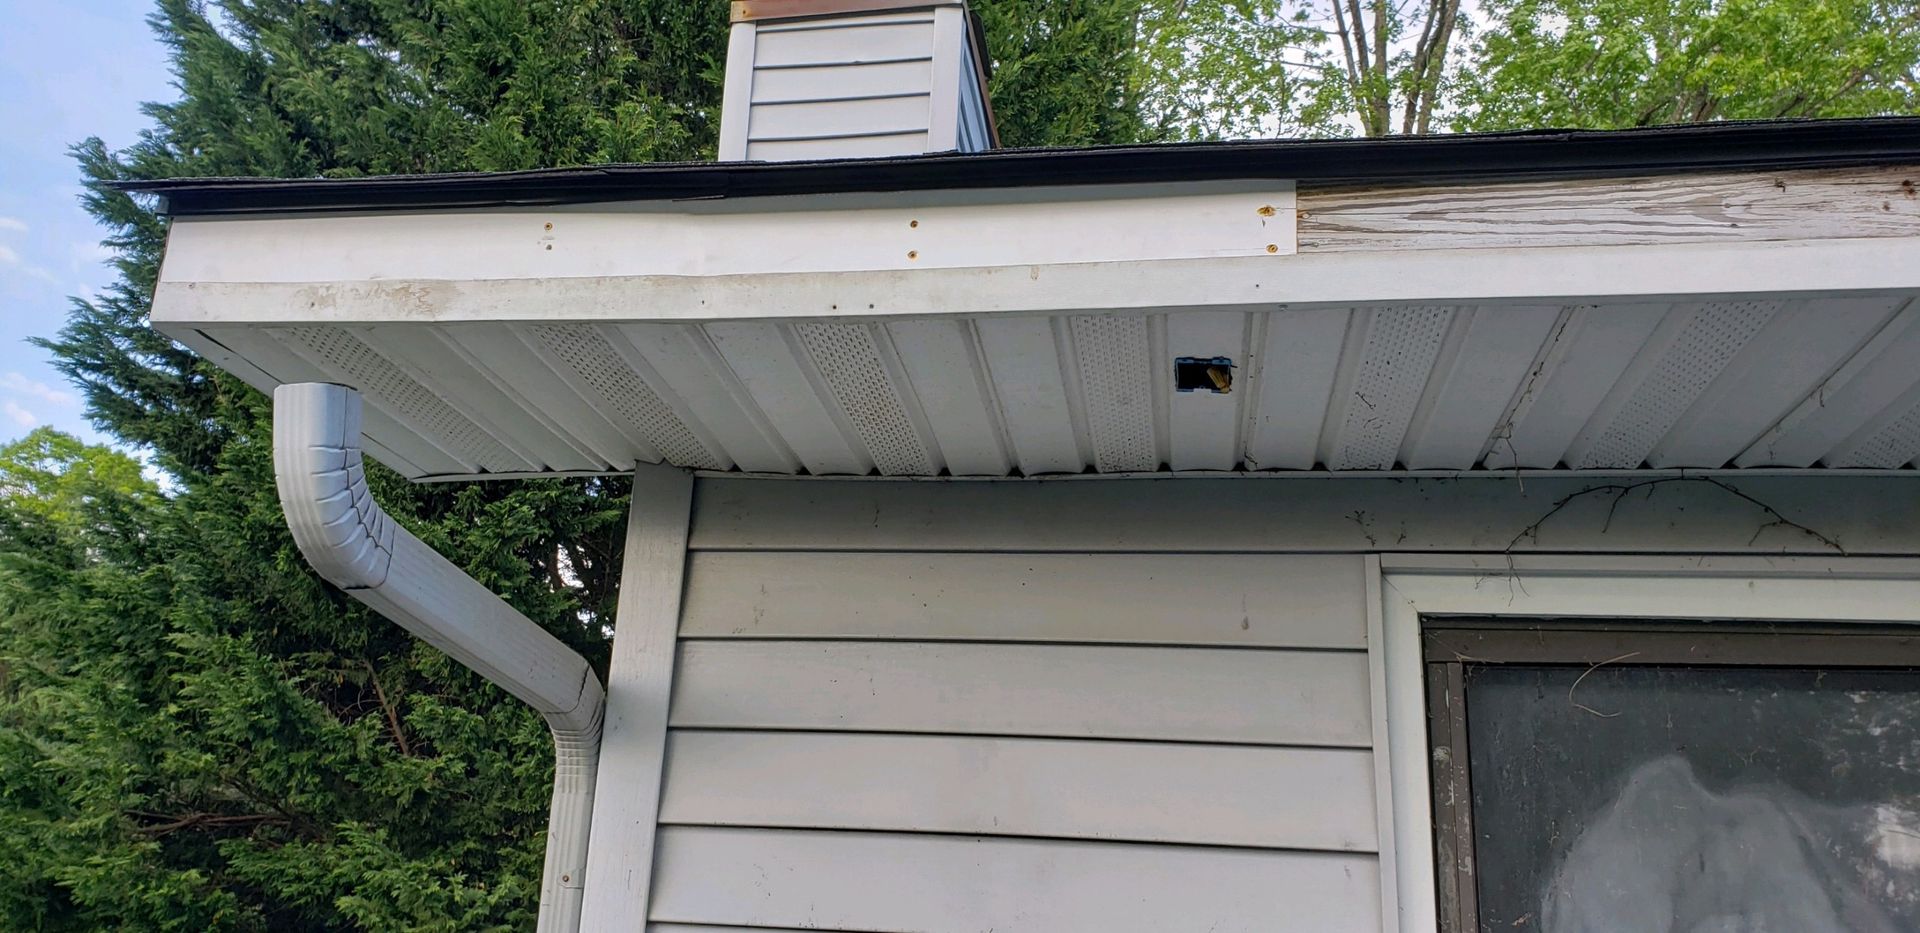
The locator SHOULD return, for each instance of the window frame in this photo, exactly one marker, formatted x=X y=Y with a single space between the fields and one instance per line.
x=1450 y=645
x=1624 y=590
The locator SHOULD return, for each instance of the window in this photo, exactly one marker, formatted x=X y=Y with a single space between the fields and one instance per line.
x=1653 y=777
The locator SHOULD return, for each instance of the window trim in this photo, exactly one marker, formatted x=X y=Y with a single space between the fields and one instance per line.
x=1451 y=645
x=1841 y=591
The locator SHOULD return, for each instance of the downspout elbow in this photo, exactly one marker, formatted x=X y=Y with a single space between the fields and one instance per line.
x=352 y=542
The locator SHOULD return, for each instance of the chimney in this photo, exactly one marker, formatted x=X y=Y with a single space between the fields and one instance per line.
x=839 y=79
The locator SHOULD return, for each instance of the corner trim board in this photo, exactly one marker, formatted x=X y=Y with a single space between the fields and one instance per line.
x=639 y=684
x=736 y=107
x=1383 y=796
x=949 y=67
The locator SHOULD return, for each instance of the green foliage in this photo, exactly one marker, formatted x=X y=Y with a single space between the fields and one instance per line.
x=1619 y=63
x=200 y=735
x=1233 y=68
x=1238 y=68
x=55 y=478
x=1063 y=71
x=195 y=732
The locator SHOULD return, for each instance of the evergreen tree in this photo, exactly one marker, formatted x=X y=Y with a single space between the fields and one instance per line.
x=1064 y=71
x=199 y=734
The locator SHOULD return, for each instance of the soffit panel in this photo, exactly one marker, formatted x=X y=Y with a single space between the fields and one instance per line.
x=1741 y=382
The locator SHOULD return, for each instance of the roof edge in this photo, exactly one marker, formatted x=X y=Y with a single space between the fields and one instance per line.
x=1756 y=145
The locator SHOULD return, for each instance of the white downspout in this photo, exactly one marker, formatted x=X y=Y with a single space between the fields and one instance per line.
x=356 y=546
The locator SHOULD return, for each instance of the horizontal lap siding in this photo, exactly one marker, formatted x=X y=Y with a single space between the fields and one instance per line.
x=1133 y=791
x=842 y=82
x=849 y=41
x=1019 y=742
x=950 y=884
x=1061 y=691
x=856 y=147
x=877 y=116
x=854 y=87
x=1297 y=602
x=718 y=928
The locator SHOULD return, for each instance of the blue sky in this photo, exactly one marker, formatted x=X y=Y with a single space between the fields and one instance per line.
x=68 y=70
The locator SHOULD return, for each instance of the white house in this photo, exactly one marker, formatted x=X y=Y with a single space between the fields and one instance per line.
x=1459 y=533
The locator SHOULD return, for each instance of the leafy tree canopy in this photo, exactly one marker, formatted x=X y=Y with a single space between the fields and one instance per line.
x=1372 y=67
x=1616 y=63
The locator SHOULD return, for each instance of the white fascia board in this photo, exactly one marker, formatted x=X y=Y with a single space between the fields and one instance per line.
x=903 y=233
x=1573 y=274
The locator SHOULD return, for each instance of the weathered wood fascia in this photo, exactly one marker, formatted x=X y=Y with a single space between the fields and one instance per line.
x=1800 y=204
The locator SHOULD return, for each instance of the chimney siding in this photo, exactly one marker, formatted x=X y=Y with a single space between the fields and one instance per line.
x=852 y=84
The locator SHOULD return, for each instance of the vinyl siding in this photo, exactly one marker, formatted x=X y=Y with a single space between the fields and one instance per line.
x=914 y=881
x=852 y=87
x=856 y=86
x=1102 y=706
x=957 y=741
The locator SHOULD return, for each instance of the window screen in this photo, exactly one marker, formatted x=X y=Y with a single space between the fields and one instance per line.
x=1615 y=795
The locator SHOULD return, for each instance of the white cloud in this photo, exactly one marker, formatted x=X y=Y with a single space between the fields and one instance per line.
x=10 y=258
x=14 y=224
x=20 y=416
x=88 y=254
x=37 y=389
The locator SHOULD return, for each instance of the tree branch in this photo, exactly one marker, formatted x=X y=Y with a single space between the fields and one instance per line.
x=175 y=823
x=1436 y=64
x=1346 y=48
x=1381 y=85
x=1419 y=67
x=393 y=715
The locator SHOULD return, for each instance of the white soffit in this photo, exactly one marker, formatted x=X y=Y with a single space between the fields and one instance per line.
x=1742 y=381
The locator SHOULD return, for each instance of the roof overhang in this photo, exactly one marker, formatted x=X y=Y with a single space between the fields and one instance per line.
x=1751 y=317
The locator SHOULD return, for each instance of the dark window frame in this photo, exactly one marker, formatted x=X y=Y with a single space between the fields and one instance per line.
x=1450 y=644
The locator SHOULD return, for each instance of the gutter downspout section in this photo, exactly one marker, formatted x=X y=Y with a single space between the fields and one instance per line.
x=356 y=546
